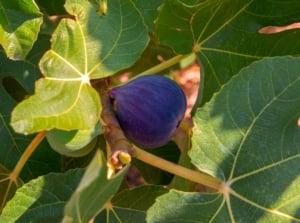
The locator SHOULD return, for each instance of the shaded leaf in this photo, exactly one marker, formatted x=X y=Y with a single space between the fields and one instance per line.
x=248 y=137
x=93 y=192
x=20 y=23
x=69 y=162
x=53 y=7
x=153 y=55
x=149 y=11
x=182 y=138
x=225 y=34
x=84 y=48
x=42 y=199
x=154 y=175
x=131 y=205
x=16 y=82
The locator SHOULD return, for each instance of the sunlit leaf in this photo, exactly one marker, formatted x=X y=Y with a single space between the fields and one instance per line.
x=42 y=199
x=85 y=47
x=20 y=23
x=248 y=137
x=179 y=206
x=93 y=192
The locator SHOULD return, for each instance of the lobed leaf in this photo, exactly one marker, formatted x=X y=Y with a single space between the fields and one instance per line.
x=226 y=34
x=65 y=105
x=248 y=136
x=85 y=47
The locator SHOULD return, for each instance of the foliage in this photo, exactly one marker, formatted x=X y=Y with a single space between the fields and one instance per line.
x=58 y=159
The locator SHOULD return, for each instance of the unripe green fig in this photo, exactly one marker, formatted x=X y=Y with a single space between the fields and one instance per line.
x=149 y=109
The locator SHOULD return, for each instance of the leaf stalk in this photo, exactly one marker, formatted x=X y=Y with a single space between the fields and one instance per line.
x=26 y=154
x=178 y=170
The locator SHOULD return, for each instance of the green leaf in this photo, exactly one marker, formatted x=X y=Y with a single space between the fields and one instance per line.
x=151 y=56
x=74 y=143
x=42 y=199
x=85 y=47
x=93 y=192
x=178 y=206
x=149 y=11
x=97 y=46
x=131 y=205
x=225 y=34
x=65 y=105
x=249 y=137
x=16 y=82
x=20 y=23
x=69 y=162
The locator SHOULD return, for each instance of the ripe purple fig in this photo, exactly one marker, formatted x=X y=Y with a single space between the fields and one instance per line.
x=149 y=109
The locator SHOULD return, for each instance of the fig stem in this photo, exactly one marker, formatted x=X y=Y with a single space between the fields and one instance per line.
x=166 y=64
x=112 y=132
x=178 y=170
x=25 y=156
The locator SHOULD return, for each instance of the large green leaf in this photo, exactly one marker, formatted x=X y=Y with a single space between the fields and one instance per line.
x=20 y=23
x=85 y=47
x=42 y=199
x=93 y=192
x=225 y=34
x=249 y=137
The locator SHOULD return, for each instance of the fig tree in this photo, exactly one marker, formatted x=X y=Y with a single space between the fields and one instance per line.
x=149 y=109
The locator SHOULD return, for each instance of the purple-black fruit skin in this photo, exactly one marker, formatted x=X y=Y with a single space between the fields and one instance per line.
x=149 y=109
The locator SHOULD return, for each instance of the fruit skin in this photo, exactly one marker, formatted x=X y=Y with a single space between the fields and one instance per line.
x=149 y=109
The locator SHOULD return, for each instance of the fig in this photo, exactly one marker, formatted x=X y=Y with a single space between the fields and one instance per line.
x=149 y=108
